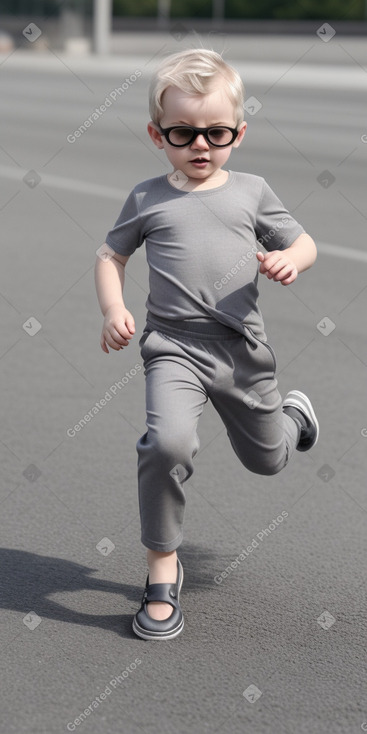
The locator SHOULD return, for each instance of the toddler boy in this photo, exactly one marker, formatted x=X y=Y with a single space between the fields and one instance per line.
x=204 y=337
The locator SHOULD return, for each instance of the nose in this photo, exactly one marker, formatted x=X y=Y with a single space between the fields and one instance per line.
x=200 y=143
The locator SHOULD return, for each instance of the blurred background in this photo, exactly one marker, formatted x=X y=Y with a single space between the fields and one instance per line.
x=78 y=25
x=74 y=80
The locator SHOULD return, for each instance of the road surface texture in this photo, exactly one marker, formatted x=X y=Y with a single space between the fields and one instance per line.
x=275 y=572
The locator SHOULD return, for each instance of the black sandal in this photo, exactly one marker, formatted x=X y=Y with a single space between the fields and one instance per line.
x=154 y=629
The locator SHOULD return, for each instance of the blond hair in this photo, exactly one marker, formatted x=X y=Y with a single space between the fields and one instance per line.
x=195 y=71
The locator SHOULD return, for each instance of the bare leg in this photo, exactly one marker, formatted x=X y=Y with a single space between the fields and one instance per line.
x=162 y=570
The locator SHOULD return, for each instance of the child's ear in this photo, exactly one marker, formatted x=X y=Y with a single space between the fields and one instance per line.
x=240 y=135
x=154 y=133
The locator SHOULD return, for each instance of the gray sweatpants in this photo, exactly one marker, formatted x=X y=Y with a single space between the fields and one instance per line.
x=185 y=365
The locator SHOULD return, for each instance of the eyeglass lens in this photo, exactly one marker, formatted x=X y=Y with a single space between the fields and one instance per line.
x=215 y=135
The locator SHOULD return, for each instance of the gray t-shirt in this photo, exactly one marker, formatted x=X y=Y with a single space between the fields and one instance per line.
x=201 y=246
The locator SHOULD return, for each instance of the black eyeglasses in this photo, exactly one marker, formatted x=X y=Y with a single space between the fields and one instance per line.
x=179 y=136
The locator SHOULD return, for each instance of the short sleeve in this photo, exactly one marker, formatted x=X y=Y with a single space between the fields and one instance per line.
x=275 y=228
x=126 y=234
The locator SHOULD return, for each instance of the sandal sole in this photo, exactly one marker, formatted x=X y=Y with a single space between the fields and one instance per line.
x=145 y=635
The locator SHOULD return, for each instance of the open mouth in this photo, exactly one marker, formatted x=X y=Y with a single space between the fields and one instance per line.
x=200 y=159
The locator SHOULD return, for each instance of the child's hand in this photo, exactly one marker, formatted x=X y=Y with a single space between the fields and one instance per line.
x=278 y=266
x=118 y=328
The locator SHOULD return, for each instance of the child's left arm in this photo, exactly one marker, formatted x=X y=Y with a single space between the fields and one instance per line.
x=284 y=265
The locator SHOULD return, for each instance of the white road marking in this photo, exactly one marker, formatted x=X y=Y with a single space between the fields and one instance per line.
x=346 y=253
x=67 y=184
x=322 y=76
x=115 y=194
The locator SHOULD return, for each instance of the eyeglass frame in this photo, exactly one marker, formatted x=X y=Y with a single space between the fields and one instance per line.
x=199 y=131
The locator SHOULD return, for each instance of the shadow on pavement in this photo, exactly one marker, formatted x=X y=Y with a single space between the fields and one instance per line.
x=28 y=579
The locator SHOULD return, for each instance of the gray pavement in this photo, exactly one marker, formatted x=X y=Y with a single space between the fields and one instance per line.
x=279 y=644
x=337 y=49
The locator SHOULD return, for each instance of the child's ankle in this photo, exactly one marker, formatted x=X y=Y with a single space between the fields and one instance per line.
x=162 y=566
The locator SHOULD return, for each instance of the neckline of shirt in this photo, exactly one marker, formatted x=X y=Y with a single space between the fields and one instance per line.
x=202 y=192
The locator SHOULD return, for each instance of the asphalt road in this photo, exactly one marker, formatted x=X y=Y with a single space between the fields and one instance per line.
x=279 y=644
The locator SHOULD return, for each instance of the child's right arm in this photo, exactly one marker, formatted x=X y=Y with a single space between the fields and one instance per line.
x=118 y=326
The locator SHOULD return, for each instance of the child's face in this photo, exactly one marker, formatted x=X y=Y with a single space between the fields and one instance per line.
x=201 y=110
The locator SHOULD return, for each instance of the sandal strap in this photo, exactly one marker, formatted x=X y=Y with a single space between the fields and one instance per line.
x=161 y=592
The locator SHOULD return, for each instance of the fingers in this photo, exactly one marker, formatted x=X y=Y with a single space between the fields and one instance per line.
x=118 y=329
x=278 y=267
x=118 y=336
x=270 y=261
x=289 y=272
x=267 y=261
x=130 y=323
x=116 y=342
x=104 y=346
x=290 y=280
x=114 y=339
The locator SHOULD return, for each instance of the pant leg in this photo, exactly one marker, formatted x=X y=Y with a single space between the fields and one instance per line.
x=174 y=402
x=246 y=396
